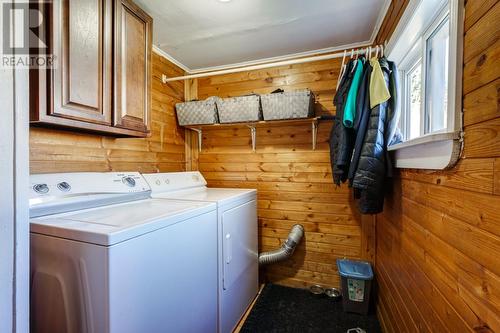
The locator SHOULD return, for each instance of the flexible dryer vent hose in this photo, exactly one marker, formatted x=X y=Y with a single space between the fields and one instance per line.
x=286 y=250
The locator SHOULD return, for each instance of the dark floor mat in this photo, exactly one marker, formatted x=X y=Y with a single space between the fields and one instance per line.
x=284 y=309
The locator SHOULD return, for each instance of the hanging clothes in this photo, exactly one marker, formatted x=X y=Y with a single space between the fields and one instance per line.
x=379 y=91
x=365 y=125
x=361 y=120
x=370 y=175
x=341 y=138
x=350 y=104
x=393 y=134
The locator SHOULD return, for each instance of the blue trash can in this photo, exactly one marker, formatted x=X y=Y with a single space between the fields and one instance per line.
x=356 y=281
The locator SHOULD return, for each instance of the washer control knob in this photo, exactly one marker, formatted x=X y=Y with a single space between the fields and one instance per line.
x=64 y=186
x=129 y=181
x=41 y=188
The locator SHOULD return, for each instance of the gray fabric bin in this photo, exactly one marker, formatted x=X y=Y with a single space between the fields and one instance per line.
x=197 y=112
x=288 y=105
x=239 y=109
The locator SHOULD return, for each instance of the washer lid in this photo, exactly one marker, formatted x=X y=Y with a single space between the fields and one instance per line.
x=114 y=224
x=222 y=196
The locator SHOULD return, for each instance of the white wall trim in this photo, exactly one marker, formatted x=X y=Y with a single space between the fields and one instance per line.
x=21 y=183
x=14 y=215
x=7 y=211
x=378 y=24
x=14 y=220
x=431 y=155
x=283 y=57
x=426 y=139
x=170 y=58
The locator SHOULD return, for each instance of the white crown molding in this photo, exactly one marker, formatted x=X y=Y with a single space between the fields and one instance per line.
x=365 y=43
x=283 y=57
x=170 y=58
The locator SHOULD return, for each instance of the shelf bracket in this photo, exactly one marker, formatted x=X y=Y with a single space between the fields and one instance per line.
x=253 y=133
x=314 y=128
x=200 y=136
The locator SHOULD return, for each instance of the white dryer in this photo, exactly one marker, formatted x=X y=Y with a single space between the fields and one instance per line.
x=106 y=259
x=237 y=229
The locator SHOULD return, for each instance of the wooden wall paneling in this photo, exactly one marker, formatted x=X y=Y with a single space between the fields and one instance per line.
x=438 y=239
x=368 y=238
x=474 y=10
x=482 y=103
x=484 y=33
x=496 y=179
x=482 y=69
x=482 y=140
x=191 y=93
x=67 y=151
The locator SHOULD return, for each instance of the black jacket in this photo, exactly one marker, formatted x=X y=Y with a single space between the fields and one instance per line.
x=372 y=166
x=361 y=119
x=341 y=138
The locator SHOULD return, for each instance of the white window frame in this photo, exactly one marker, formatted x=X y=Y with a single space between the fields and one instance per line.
x=439 y=149
x=405 y=68
x=438 y=20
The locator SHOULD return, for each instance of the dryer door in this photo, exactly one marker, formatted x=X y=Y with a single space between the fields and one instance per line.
x=239 y=249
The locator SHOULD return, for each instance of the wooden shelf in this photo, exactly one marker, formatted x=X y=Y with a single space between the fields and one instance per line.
x=257 y=123
x=253 y=125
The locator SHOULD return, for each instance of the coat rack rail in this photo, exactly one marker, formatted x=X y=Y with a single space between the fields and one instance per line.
x=342 y=54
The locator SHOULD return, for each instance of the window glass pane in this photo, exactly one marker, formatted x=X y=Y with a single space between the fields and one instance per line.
x=437 y=78
x=415 y=97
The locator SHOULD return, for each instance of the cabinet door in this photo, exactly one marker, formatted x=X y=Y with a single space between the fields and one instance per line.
x=78 y=88
x=132 y=43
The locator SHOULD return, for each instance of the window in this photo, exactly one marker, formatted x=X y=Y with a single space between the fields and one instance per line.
x=426 y=48
x=436 y=69
x=412 y=109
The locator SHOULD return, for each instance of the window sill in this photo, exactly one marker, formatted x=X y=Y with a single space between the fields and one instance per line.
x=437 y=151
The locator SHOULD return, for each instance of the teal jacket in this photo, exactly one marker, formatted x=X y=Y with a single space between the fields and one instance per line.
x=350 y=104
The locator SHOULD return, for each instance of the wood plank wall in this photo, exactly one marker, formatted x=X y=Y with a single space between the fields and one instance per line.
x=294 y=183
x=438 y=240
x=67 y=151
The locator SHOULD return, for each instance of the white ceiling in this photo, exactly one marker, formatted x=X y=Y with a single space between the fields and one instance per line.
x=209 y=34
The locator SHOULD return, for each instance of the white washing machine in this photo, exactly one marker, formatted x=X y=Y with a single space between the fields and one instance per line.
x=105 y=259
x=237 y=228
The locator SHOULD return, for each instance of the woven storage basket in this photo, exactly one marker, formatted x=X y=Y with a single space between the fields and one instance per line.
x=197 y=112
x=239 y=109
x=288 y=105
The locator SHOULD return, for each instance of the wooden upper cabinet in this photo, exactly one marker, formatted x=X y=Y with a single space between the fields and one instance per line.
x=101 y=77
x=132 y=80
